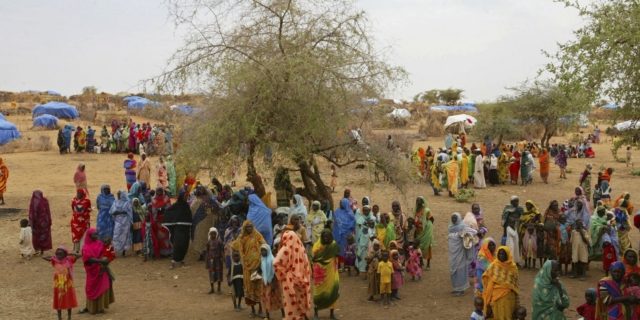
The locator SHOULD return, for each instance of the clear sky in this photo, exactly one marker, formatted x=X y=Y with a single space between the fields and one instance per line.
x=481 y=46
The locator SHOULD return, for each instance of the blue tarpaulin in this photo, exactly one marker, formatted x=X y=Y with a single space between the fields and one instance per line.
x=141 y=103
x=8 y=132
x=45 y=120
x=127 y=99
x=611 y=106
x=186 y=109
x=455 y=108
x=53 y=93
x=58 y=109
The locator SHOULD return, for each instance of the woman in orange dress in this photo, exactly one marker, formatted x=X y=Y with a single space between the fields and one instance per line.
x=4 y=176
x=544 y=165
x=422 y=154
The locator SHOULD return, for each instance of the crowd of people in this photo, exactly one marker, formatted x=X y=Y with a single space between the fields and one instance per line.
x=123 y=137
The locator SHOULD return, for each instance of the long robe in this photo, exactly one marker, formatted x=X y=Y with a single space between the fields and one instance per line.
x=326 y=279
x=503 y=163
x=458 y=257
x=122 y=239
x=464 y=169
x=4 y=176
x=452 y=171
x=548 y=300
x=144 y=172
x=291 y=265
x=161 y=171
x=478 y=175
x=178 y=217
x=500 y=282
x=171 y=174
x=248 y=245
x=104 y=222
x=40 y=221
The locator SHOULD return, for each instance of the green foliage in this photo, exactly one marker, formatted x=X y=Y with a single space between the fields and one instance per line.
x=635 y=172
x=602 y=59
x=495 y=119
x=90 y=90
x=464 y=195
x=447 y=96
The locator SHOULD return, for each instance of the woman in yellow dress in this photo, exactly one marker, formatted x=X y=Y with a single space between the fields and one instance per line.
x=326 y=279
x=248 y=244
x=500 y=283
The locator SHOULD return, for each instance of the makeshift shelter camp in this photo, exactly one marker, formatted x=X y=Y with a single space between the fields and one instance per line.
x=469 y=108
x=460 y=123
x=46 y=120
x=611 y=107
x=140 y=103
x=399 y=113
x=629 y=124
x=53 y=93
x=185 y=109
x=58 y=109
x=8 y=132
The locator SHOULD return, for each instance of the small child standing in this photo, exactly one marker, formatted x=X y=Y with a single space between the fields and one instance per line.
x=634 y=290
x=236 y=282
x=588 y=309
x=628 y=156
x=350 y=254
x=580 y=243
x=214 y=252
x=564 y=252
x=373 y=258
x=149 y=241
x=513 y=241
x=277 y=229
x=385 y=270
x=520 y=313
x=409 y=236
x=478 y=312
x=415 y=259
x=64 y=293
x=108 y=251
x=397 y=279
x=540 y=243
x=530 y=247
x=334 y=178
x=25 y=239
x=609 y=255
x=597 y=194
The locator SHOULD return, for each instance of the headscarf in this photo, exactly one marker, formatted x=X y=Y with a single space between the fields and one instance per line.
x=505 y=274
x=266 y=264
x=615 y=289
x=485 y=257
x=299 y=209
x=458 y=226
x=91 y=248
x=319 y=218
x=547 y=301
x=80 y=176
x=39 y=208
x=135 y=192
x=248 y=244
x=123 y=204
x=261 y=217
x=64 y=261
x=343 y=224
x=353 y=203
x=178 y=213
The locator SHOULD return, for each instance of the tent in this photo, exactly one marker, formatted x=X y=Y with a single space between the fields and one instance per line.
x=399 y=113
x=46 y=120
x=630 y=124
x=369 y=102
x=8 y=132
x=33 y=91
x=454 y=108
x=131 y=98
x=58 y=109
x=466 y=121
x=141 y=103
x=611 y=107
x=53 y=93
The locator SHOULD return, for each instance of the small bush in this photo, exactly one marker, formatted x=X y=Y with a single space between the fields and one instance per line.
x=635 y=172
x=464 y=195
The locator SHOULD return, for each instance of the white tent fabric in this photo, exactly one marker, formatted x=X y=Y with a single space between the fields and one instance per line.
x=467 y=120
x=399 y=113
x=629 y=124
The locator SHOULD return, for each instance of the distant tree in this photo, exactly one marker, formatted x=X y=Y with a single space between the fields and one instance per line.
x=544 y=103
x=496 y=121
x=602 y=58
x=450 y=96
x=430 y=96
x=280 y=75
x=90 y=90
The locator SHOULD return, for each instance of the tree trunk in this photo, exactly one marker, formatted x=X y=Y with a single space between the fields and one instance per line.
x=315 y=187
x=252 y=174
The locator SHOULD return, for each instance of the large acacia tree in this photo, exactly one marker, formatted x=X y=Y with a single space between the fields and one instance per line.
x=602 y=59
x=280 y=75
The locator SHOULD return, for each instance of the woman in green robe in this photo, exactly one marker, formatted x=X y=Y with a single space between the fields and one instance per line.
x=550 y=298
x=598 y=224
x=171 y=174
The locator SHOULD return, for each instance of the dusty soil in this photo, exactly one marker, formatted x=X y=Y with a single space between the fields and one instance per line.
x=150 y=290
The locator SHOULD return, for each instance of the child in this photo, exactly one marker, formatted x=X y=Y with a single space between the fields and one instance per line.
x=605 y=193
x=520 y=313
x=350 y=254
x=149 y=242
x=634 y=290
x=368 y=235
x=373 y=258
x=513 y=241
x=580 y=242
x=597 y=192
x=214 y=253
x=588 y=309
x=540 y=243
x=277 y=229
x=564 y=252
x=25 y=239
x=237 y=282
x=397 y=278
x=385 y=270
x=415 y=259
x=628 y=156
x=64 y=293
x=478 y=313
x=108 y=254
x=530 y=247
x=409 y=236
x=271 y=296
x=609 y=255
x=334 y=178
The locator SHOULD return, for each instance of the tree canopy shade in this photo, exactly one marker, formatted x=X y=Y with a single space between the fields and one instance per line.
x=602 y=59
x=281 y=74
x=439 y=96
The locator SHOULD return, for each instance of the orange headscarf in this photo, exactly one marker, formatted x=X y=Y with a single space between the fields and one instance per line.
x=500 y=278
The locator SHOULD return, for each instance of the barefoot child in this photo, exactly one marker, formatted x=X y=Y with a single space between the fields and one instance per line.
x=513 y=241
x=149 y=241
x=580 y=242
x=64 y=293
x=271 y=294
x=373 y=258
x=368 y=235
x=236 y=282
x=415 y=261
x=214 y=252
x=530 y=247
x=478 y=313
x=397 y=279
x=588 y=309
x=385 y=270
x=540 y=243
x=350 y=254
x=25 y=239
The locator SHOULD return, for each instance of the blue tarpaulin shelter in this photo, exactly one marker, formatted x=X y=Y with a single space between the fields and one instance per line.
x=131 y=98
x=8 y=132
x=53 y=93
x=58 y=109
x=141 y=103
x=46 y=120
x=611 y=106
x=455 y=108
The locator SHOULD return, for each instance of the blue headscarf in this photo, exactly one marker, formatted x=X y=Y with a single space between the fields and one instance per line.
x=122 y=205
x=260 y=215
x=458 y=226
x=266 y=264
x=105 y=222
x=135 y=192
x=594 y=294
x=344 y=224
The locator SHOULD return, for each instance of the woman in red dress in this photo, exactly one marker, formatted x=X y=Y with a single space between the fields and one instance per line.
x=81 y=207
x=514 y=168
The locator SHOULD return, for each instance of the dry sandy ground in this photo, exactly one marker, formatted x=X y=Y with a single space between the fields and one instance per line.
x=151 y=291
